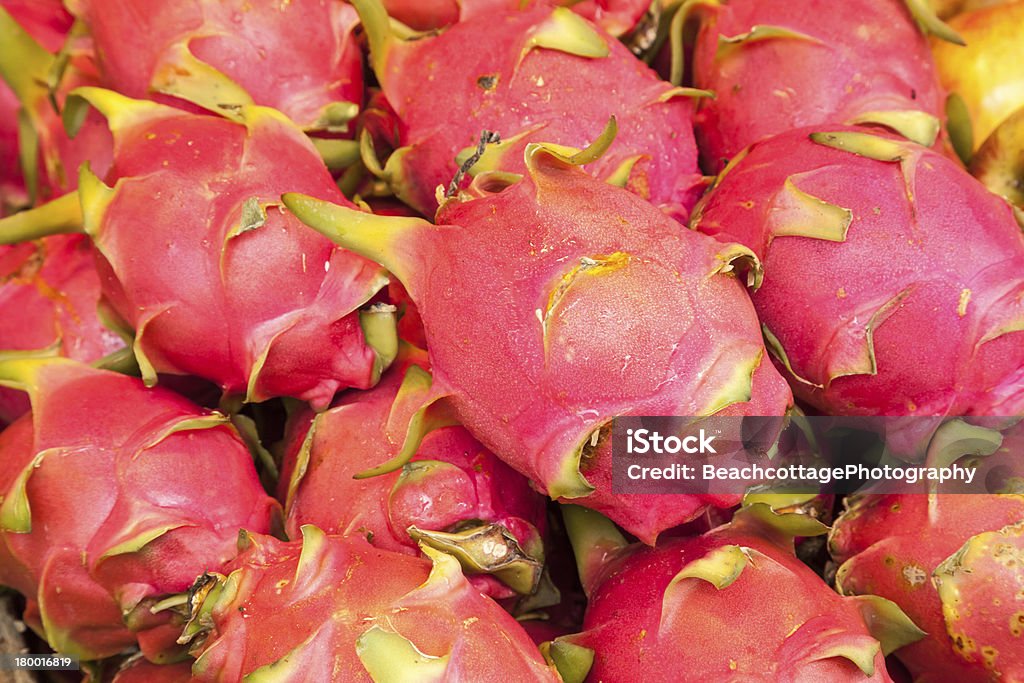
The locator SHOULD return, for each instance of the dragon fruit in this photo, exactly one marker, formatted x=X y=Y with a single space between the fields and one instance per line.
x=38 y=72
x=410 y=326
x=425 y=15
x=45 y=24
x=47 y=21
x=564 y=302
x=299 y=57
x=453 y=495
x=774 y=66
x=616 y=17
x=186 y=286
x=869 y=241
x=143 y=671
x=541 y=74
x=333 y=608
x=49 y=291
x=108 y=505
x=12 y=186
x=663 y=610
x=954 y=564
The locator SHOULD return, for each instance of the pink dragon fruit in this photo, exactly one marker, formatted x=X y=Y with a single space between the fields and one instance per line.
x=424 y=15
x=453 y=495
x=616 y=17
x=869 y=241
x=243 y=295
x=955 y=564
x=43 y=22
x=410 y=326
x=47 y=21
x=38 y=157
x=12 y=186
x=49 y=291
x=332 y=608
x=775 y=66
x=108 y=505
x=664 y=610
x=298 y=57
x=564 y=302
x=541 y=74
x=142 y=671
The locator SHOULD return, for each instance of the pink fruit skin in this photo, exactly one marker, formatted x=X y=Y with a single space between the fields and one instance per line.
x=779 y=615
x=49 y=291
x=603 y=360
x=318 y=610
x=646 y=515
x=210 y=299
x=48 y=23
x=565 y=302
x=891 y=545
x=867 y=56
x=59 y=157
x=12 y=185
x=424 y=15
x=298 y=57
x=547 y=95
x=460 y=481
x=141 y=671
x=410 y=326
x=614 y=16
x=106 y=462
x=943 y=270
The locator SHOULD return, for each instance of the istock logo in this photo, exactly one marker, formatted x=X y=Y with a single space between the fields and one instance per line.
x=640 y=441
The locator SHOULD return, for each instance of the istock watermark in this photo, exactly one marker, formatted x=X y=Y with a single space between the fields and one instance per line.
x=736 y=455
x=641 y=441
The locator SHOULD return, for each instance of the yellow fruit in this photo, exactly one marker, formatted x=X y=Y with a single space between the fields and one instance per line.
x=989 y=72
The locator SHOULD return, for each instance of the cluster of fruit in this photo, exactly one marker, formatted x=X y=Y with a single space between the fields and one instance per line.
x=315 y=317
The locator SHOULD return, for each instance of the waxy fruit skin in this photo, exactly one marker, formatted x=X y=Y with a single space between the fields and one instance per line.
x=108 y=505
x=213 y=275
x=333 y=608
x=777 y=65
x=541 y=75
x=893 y=281
x=564 y=302
x=953 y=564
x=299 y=57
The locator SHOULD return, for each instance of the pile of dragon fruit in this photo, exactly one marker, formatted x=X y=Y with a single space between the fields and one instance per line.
x=315 y=316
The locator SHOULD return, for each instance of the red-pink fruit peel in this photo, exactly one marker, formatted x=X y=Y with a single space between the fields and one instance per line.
x=868 y=241
x=48 y=300
x=537 y=75
x=617 y=17
x=775 y=66
x=243 y=296
x=565 y=301
x=665 y=608
x=143 y=671
x=334 y=608
x=40 y=148
x=108 y=505
x=953 y=564
x=450 y=493
x=299 y=57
